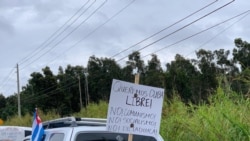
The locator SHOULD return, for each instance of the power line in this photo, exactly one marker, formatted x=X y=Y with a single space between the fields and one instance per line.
x=77 y=43
x=31 y=98
x=79 y=24
x=97 y=28
x=70 y=32
x=225 y=29
x=66 y=27
x=7 y=78
x=53 y=36
x=199 y=32
x=180 y=28
x=125 y=8
x=61 y=33
x=67 y=34
x=153 y=34
x=165 y=28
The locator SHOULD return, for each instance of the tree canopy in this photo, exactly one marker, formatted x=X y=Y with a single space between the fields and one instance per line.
x=193 y=80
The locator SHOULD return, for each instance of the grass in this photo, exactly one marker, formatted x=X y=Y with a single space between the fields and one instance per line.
x=226 y=118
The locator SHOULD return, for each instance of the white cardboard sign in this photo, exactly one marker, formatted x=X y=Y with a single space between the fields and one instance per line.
x=9 y=133
x=134 y=109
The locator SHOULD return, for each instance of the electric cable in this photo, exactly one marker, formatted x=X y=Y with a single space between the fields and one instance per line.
x=39 y=48
x=66 y=35
x=53 y=36
x=199 y=32
x=97 y=28
x=155 y=33
x=31 y=98
x=42 y=92
x=183 y=27
x=165 y=28
x=95 y=12
x=69 y=33
x=225 y=29
x=58 y=43
x=7 y=78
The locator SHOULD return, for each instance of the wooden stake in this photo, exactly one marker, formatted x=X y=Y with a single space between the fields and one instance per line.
x=137 y=80
x=130 y=137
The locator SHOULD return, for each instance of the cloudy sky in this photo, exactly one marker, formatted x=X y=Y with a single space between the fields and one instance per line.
x=39 y=33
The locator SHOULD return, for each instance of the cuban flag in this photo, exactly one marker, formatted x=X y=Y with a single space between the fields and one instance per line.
x=37 y=128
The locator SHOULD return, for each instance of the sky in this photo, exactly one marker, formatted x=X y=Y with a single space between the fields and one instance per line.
x=39 y=33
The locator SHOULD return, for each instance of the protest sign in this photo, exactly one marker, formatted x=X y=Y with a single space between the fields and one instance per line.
x=134 y=109
x=13 y=133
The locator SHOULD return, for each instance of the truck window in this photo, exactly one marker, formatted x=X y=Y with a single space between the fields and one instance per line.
x=105 y=136
x=57 y=137
x=27 y=133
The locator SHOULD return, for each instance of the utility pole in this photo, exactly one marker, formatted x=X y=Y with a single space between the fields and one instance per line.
x=86 y=88
x=18 y=92
x=80 y=91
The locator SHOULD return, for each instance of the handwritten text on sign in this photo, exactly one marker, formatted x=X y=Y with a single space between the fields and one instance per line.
x=134 y=104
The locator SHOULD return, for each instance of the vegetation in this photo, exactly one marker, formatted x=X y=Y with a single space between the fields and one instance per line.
x=206 y=98
x=225 y=118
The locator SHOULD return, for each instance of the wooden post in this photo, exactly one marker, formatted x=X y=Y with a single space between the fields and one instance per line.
x=137 y=80
x=130 y=136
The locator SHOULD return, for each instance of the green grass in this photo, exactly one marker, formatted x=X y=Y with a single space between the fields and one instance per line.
x=226 y=118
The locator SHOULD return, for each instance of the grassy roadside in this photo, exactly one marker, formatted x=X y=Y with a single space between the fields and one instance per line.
x=226 y=118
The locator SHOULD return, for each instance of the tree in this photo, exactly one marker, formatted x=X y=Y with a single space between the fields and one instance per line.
x=70 y=85
x=208 y=77
x=65 y=96
x=50 y=89
x=226 y=68
x=32 y=93
x=241 y=56
x=10 y=108
x=127 y=74
x=137 y=64
x=222 y=60
x=241 y=53
x=181 y=78
x=135 y=61
x=2 y=101
x=41 y=91
x=101 y=73
x=153 y=73
x=2 y=105
x=241 y=83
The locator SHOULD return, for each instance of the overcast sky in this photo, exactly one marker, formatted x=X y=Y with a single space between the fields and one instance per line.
x=105 y=28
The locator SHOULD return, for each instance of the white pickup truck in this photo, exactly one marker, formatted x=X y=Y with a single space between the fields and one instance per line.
x=85 y=129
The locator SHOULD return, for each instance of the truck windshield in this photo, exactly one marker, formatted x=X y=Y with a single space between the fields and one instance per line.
x=111 y=137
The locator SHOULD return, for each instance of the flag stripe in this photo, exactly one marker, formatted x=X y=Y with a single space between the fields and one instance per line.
x=37 y=128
